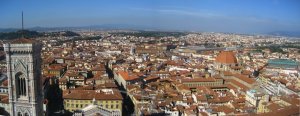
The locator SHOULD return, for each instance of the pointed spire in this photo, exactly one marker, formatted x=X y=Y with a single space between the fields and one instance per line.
x=22 y=31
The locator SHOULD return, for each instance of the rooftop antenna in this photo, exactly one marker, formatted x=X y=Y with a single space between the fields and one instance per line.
x=22 y=22
x=22 y=26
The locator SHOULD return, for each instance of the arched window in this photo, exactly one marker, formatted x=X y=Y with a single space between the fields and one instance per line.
x=26 y=114
x=19 y=114
x=21 y=84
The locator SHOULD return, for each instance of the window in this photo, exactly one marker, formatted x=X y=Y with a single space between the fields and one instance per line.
x=106 y=106
x=111 y=106
x=21 y=84
x=26 y=114
x=117 y=106
x=19 y=114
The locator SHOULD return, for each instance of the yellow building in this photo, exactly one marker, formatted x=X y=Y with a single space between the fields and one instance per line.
x=55 y=69
x=110 y=99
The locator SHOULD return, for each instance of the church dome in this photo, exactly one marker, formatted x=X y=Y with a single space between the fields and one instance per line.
x=226 y=57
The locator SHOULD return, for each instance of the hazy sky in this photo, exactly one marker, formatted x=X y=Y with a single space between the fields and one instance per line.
x=243 y=16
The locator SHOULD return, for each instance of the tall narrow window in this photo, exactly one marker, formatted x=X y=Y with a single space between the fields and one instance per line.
x=21 y=87
x=21 y=84
x=24 y=86
x=18 y=85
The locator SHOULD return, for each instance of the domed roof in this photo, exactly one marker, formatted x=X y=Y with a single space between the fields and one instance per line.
x=226 y=57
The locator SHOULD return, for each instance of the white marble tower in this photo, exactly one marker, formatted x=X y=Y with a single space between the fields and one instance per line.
x=24 y=77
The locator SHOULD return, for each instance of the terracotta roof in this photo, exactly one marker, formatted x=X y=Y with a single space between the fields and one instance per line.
x=5 y=83
x=287 y=111
x=226 y=57
x=199 y=80
x=246 y=72
x=56 y=67
x=151 y=77
x=238 y=84
x=227 y=73
x=245 y=78
x=63 y=80
x=126 y=76
x=224 y=109
x=22 y=41
x=90 y=94
x=4 y=99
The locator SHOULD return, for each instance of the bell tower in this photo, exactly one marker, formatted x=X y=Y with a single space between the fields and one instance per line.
x=24 y=77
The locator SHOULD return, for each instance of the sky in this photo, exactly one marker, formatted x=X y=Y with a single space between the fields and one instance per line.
x=237 y=16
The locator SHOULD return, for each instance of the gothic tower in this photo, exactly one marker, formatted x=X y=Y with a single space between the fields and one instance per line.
x=24 y=77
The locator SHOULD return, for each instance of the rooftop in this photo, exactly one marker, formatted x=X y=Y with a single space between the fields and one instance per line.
x=226 y=57
x=103 y=94
x=22 y=41
x=283 y=62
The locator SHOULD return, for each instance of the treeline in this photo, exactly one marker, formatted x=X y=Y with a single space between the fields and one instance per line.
x=62 y=33
x=81 y=38
x=150 y=34
x=278 y=48
x=19 y=34
x=34 y=34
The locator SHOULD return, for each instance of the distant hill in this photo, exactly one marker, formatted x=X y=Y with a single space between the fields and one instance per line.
x=34 y=34
x=151 y=34
x=92 y=27
x=8 y=29
x=19 y=34
x=285 y=33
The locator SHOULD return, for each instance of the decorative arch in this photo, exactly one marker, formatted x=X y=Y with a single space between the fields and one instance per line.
x=22 y=111
x=19 y=114
x=20 y=66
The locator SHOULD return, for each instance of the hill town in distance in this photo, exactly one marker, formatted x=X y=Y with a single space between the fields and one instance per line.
x=129 y=71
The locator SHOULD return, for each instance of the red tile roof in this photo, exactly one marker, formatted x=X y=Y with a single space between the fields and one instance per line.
x=199 y=80
x=226 y=57
x=22 y=41
x=91 y=94
x=125 y=75
x=245 y=78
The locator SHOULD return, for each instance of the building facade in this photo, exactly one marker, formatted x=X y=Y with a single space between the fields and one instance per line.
x=106 y=98
x=24 y=77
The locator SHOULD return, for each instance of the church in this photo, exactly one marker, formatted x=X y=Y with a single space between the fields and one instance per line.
x=24 y=77
x=226 y=61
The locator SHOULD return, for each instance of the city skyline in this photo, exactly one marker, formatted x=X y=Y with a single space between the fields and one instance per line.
x=210 y=16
